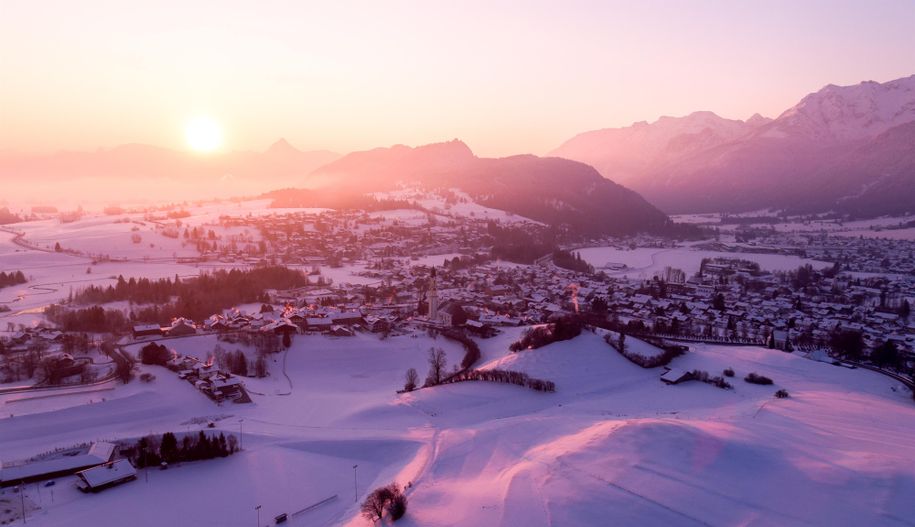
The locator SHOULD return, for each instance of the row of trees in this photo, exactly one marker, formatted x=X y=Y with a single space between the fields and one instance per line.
x=504 y=376
x=151 y=450
x=244 y=285
x=263 y=342
x=95 y=319
x=11 y=278
x=564 y=328
x=471 y=348
x=7 y=217
x=571 y=261
x=236 y=363
x=195 y=298
x=154 y=353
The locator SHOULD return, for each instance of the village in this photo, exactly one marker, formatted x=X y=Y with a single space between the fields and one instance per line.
x=399 y=271
x=860 y=285
x=367 y=278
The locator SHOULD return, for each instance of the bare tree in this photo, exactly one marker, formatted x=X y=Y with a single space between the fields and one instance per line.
x=437 y=365
x=374 y=504
x=390 y=498
x=260 y=366
x=412 y=379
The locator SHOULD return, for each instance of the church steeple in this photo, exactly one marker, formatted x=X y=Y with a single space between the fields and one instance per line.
x=433 y=297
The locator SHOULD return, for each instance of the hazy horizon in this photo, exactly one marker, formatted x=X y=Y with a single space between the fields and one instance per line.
x=353 y=76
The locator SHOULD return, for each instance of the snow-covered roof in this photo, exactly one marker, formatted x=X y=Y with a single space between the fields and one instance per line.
x=108 y=473
x=98 y=453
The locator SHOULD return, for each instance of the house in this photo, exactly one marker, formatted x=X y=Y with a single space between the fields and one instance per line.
x=482 y=329
x=226 y=386
x=378 y=324
x=450 y=313
x=216 y=323
x=281 y=327
x=103 y=476
x=181 y=327
x=341 y=331
x=147 y=330
x=348 y=319
x=318 y=324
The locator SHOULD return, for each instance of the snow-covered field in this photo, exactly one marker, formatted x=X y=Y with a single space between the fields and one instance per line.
x=53 y=275
x=464 y=208
x=612 y=446
x=882 y=227
x=644 y=262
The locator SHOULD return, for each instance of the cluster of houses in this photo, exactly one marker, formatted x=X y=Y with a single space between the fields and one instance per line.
x=206 y=377
x=20 y=339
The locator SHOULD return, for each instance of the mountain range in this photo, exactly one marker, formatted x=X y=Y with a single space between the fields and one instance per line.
x=847 y=149
x=550 y=190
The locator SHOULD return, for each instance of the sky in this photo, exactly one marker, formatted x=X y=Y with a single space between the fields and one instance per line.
x=505 y=77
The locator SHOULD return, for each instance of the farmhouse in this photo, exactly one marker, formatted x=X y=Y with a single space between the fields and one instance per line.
x=181 y=327
x=675 y=376
x=103 y=476
x=146 y=330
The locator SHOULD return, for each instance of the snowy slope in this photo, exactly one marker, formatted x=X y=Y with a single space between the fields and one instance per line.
x=613 y=445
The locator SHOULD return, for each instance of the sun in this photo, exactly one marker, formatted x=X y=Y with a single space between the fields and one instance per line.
x=203 y=134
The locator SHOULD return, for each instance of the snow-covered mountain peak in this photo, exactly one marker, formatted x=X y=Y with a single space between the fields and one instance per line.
x=845 y=113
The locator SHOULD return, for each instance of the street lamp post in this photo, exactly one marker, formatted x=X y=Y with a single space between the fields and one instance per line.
x=22 y=500
x=258 y=510
x=355 y=486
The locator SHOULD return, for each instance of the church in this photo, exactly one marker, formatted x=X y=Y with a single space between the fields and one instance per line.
x=448 y=313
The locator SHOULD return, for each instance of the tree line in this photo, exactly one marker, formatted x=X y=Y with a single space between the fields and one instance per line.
x=572 y=262
x=194 y=298
x=11 y=278
x=564 y=328
x=504 y=376
x=151 y=450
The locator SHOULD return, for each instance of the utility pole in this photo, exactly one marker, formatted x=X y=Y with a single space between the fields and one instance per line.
x=22 y=500
x=355 y=486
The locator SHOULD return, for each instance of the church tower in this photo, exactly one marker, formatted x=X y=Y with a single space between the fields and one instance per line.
x=433 y=297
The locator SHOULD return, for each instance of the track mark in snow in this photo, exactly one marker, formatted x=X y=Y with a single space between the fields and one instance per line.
x=731 y=499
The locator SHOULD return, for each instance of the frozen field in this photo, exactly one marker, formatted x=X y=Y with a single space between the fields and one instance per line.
x=613 y=445
x=883 y=227
x=644 y=262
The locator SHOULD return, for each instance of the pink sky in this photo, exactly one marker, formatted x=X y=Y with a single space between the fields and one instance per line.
x=506 y=77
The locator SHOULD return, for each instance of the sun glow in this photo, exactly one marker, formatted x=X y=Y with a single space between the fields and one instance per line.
x=203 y=134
